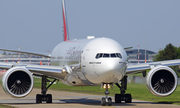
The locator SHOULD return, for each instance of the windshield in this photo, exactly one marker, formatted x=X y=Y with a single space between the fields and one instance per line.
x=106 y=55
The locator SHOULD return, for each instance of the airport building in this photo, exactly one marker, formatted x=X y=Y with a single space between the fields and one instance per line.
x=24 y=58
x=133 y=55
x=31 y=59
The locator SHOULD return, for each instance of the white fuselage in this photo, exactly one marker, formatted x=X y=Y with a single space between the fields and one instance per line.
x=96 y=61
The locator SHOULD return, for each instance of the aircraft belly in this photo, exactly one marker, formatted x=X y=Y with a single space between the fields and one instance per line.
x=77 y=79
x=84 y=79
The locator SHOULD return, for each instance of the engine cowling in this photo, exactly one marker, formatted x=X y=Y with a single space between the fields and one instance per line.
x=161 y=81
x=18 y=82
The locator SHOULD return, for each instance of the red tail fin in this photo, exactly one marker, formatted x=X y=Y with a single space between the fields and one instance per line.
x=64 y=21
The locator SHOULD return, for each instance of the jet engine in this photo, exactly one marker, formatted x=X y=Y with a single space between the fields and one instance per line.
x=18 y=82
x=161 y=81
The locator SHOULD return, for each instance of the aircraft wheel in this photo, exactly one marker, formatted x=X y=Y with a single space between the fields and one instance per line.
x=103 y=101
x=128 y=98
x=49 y=98
x=117 y=98
x=109 y=101
x=38 y=98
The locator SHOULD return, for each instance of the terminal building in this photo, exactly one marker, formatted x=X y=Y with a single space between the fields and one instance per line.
x=24 y=58
x=133 y=55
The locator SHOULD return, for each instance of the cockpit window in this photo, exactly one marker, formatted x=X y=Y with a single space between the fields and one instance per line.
x=97 y=56
x=106 y=55
x=118 y=55
x=100 y=55
x=113 y=55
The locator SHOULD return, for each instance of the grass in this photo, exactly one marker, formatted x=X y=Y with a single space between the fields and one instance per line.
x=5 y=106
x=138 y=91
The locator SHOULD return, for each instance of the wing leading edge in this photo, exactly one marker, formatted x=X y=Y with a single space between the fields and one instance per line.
x=27 y=52
x=137 y=68
x=38 y=70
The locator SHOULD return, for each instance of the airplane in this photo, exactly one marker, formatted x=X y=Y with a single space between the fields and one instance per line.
x=87 y=62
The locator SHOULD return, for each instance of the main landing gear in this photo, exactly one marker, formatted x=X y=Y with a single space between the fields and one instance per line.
x=43 y=96
x=106 y=100
x=123 y=97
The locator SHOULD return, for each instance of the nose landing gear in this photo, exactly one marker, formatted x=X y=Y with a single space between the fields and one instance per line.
x=106 y=100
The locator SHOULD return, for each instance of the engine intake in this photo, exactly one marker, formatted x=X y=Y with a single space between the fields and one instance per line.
x=161 y=81
x=18 y=82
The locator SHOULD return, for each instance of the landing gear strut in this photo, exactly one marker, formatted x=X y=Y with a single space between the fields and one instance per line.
x=106 y=100
x=43 y=96
x=123 y=97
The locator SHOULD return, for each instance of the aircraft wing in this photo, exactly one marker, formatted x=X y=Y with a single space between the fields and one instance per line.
x=39 y=70
x=137 y=68
x=27 y=52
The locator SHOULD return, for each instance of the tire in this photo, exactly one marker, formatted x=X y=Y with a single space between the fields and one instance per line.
x=38 y=98
x=128 y=98
x=103 y=101
x=49 y=98
x=109 y=101
x=117 y=98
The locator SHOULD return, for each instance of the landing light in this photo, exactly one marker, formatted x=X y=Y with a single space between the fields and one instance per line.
x=72 y=67
x=64 y=71
x=106 y=86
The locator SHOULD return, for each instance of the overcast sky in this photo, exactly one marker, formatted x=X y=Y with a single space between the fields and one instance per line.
x=36 y=25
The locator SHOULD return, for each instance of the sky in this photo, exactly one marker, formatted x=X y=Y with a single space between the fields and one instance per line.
x=36 y=25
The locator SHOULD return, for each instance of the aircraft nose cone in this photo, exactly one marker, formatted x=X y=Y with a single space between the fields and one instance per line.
x=109 y=71
x=113 y=70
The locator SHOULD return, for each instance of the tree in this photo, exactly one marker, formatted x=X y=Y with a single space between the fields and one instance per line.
x=170 y=52
x=178 y=51
x=4 y=53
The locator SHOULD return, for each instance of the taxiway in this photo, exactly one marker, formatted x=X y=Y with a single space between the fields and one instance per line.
x=75 y=100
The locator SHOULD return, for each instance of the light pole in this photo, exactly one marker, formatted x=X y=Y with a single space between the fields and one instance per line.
x=19 y=54
x=145 y=47
x=138 y=53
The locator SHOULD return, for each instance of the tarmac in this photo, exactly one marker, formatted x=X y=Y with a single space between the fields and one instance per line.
x=73 y=100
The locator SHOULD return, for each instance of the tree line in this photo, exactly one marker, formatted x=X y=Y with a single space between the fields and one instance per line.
x=170 y=52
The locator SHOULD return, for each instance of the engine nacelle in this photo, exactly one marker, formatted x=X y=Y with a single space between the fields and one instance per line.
x=161 y=81
x=18 y=82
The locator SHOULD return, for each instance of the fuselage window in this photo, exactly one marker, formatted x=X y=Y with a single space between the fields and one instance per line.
x=106 y=55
